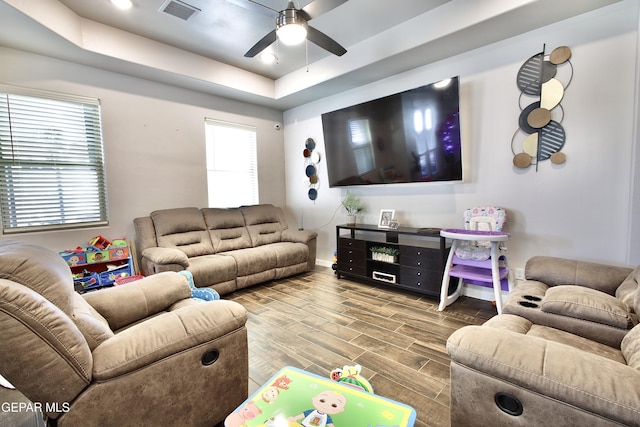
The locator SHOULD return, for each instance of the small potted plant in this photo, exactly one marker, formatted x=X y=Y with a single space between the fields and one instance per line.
x=353 y=206
x=384 y=254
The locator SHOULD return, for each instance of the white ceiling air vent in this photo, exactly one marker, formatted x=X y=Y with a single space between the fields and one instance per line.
x=179 y=9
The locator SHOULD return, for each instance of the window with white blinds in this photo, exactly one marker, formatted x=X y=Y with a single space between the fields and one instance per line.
x=360 y=136
x=232 y=166
x=52 y=172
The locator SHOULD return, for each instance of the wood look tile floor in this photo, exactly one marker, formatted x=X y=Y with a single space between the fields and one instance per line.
x=318 y=322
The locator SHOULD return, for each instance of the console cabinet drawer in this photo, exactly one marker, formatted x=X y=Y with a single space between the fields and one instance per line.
x=425 y=280
x=352 y=257
x=425 y=258
x=352 y=269
x=351 y=243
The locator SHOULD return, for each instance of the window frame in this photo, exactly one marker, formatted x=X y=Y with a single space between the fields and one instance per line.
x=52 y=173
x=250 y=173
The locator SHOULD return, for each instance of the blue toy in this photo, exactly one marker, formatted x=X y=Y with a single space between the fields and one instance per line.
x=206 y=294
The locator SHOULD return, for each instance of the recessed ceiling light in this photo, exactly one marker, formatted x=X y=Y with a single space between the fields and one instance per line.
x=122 y=4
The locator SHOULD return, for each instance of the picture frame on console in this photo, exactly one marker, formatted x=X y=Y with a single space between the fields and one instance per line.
x=386 y=217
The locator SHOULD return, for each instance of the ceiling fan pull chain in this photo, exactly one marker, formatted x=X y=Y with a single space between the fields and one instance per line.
x=306 y=52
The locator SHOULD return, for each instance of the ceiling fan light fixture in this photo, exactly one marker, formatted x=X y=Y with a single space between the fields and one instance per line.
x=291 y=28
x=292 y=34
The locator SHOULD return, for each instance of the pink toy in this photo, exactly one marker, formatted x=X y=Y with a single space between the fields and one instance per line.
x=238 y=419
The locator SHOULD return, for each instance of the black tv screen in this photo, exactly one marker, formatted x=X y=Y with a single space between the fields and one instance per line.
x=412 y=136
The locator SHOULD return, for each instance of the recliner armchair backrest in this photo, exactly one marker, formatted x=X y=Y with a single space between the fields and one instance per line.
x=43 y=353
x=183 y=229
x=265 y=223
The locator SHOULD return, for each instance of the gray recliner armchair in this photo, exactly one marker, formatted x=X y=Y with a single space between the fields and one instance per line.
x=564 y=352
x=144 y=353
x=590 y=299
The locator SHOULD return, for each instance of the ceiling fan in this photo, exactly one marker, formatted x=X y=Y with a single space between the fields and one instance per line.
x=292 y=27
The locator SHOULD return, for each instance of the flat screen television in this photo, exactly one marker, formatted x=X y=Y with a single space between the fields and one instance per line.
x=409 y=137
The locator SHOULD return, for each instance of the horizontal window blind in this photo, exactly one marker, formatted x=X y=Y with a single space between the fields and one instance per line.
x=52 y=172
x=232 y=167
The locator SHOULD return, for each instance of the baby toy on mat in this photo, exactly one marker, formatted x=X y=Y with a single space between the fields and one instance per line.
x=350 y=376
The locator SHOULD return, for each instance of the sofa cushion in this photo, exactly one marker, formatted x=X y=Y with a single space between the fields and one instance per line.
x=209 y=270
x=288 y=253
x=631 y=348
x=587 y=304
x=184 y=229
x=265 y=223
x=226 y=229
x=253 y=260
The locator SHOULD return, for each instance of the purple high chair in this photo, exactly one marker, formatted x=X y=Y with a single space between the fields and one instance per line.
x=477 y=255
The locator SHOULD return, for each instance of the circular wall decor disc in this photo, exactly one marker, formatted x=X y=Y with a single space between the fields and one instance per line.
x=313 y=179
x=558 y=158
x=522 y=160
x=560 y=54
x=523 y=118
x=539 y=117
x=310 y=171
x=306 y=153
x=315 y=157
x=313 y=194
x=310 y=144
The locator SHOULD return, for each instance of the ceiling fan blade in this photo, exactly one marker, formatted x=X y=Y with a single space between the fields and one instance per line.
x=318 y=7
x=265 y=42
x=324 y=41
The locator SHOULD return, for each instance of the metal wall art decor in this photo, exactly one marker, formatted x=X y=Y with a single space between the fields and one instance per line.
x=311 y=160
x=542 y=81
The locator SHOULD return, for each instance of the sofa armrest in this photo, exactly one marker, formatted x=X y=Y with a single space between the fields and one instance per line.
x=127 y=304
x=165 y=335
x=554 y=271
x=166 y=256
x=298 y=236
x=581 y=379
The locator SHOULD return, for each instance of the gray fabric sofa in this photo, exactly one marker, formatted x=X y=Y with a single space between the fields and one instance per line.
x=563 y=366
x=224 y=249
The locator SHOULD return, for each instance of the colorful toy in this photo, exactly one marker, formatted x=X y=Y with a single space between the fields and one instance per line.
x=99 y=242
x=350 y=376
x=206 y=294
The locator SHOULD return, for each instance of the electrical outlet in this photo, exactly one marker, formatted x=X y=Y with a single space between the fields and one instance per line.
x=519 y=273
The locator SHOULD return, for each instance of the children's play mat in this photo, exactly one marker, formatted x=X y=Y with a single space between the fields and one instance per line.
x=293 y=398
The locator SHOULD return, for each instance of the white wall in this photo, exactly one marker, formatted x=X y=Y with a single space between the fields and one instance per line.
x=154 y=141
x=580 y=209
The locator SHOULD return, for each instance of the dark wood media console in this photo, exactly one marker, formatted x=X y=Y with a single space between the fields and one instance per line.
x=419 y=266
